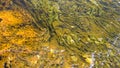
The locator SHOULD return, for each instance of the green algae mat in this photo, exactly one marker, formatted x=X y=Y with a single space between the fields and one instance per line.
x=59 y=33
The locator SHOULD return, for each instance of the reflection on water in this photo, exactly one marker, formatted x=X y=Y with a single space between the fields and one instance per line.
x=93 y=60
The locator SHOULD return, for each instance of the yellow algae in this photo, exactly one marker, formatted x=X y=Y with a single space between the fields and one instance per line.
x=18 y=41
x=78 y=31
x=6 y=33
x=33 y=60
x=4 y=48
x=11 y=35
x=27 y=32
x=9 y=18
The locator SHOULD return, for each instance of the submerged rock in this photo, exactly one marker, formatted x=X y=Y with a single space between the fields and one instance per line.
x=59 y=34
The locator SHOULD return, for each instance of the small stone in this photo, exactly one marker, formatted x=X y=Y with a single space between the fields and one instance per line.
x=72 y=26
x=100 y=39
x=96 y=42
x=89 y=40
x=62 y=50
x=38 y=56
x=74 y=65
x=52 y=50
x=74 y=58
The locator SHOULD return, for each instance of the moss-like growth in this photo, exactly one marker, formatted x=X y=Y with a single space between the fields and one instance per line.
x=88 y=31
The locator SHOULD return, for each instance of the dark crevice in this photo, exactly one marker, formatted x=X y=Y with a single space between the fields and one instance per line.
x=0 y=19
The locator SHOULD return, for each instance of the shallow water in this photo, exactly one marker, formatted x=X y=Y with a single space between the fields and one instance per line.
x=59 y=34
